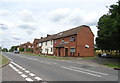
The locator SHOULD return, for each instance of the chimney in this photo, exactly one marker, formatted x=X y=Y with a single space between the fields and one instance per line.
x=48 y=35
x=41 y=37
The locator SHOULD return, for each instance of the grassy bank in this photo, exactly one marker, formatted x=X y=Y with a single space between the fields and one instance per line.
x=3 y=60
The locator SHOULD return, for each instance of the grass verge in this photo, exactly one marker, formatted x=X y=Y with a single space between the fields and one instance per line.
x=3 y=60
x=46 y=56
x=112 y=65
x=88 y=57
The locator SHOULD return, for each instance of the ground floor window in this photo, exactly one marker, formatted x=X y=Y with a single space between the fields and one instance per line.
x=72 y=49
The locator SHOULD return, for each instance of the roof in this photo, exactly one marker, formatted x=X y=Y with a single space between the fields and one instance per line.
x=36 y=40
x=66 y=33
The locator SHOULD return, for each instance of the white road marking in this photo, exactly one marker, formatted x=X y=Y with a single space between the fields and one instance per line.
x=23 y=75
x=16 y=70
x=38 y=78
x=23 y=69
x=20 y=72
x=28 y=79
x=27 y=71
x=88 y=70
x=81 y=71
x=31 y=74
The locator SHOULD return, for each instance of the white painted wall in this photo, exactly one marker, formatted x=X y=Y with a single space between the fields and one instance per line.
x=48 y=46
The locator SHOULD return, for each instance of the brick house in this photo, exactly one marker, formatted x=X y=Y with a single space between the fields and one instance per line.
x=36 y=48
x=76 y=42
x=26 y=46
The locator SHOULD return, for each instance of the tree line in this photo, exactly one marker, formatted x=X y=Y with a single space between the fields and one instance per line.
x=109 y=29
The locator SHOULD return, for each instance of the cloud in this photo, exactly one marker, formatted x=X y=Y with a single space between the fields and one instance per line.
x=4 y=12
x=72 y=16
x=26 y=15
x=29 y=27
x=16 y=38
x=3 y=26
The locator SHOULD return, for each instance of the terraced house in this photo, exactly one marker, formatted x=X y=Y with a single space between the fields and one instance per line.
x=76 y=42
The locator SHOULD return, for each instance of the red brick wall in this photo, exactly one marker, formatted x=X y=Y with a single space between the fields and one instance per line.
x=85 y=37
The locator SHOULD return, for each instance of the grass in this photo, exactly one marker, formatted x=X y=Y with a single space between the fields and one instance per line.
x=112 y=65
x=88 y=57
x=46 y=56
x=3 y=60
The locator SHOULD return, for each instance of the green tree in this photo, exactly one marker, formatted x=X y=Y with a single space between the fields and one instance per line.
x=21 y=49
x=13 y=48
x=29 y=50
x=5 y=50
x=109 y=28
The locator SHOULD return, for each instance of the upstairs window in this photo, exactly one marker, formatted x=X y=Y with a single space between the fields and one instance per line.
x=55 y=41
x=62 y=40
x=72 y=38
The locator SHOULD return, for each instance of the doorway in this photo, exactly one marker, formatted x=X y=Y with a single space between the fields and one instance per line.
x=66 y=52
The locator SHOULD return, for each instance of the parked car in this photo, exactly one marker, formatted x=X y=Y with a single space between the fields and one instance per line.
x=105 y=55
x=15 y=51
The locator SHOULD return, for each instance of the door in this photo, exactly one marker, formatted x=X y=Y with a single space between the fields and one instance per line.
x=58 y=51
x=66 y=52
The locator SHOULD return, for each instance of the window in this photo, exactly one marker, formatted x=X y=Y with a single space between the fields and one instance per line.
x=46 y=43
x=72 y=38
x=51 y=42
x=62 y=41
x=72 y=49
x=51 y=49
x=55 y=41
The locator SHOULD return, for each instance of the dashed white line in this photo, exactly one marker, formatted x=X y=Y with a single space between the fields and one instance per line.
x=23 y=75
x=13 y=64
x=19 y=72
x=27 y=71
x=31 y=74
x=29 y=79
x=38 y=78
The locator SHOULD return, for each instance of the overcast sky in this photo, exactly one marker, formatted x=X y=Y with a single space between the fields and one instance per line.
x=23 y=20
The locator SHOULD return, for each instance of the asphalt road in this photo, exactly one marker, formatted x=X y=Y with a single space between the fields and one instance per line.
x=36 y=68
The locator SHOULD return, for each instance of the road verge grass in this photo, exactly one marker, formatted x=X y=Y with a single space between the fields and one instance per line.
x=3 y=60
x=112 y=65
x=47 y=56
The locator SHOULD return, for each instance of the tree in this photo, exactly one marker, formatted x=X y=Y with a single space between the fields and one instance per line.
x=109 y=28
x=21 y=49
x=13 y=48
x=29 y=50
x=5 y=50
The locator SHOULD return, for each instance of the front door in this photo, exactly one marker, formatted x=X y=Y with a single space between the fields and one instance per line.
x=66 y=52
x=58 y=51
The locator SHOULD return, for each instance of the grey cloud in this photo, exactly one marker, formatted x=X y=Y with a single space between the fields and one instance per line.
x=3 y=27
x=27 y=27
x=16 y=38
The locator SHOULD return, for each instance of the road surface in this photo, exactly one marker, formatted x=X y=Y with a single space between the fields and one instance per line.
x=34 y=68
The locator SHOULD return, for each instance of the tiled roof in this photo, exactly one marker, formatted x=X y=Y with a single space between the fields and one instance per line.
x=66 y=33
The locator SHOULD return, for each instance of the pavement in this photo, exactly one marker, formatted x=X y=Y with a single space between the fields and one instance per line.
x=36 y=68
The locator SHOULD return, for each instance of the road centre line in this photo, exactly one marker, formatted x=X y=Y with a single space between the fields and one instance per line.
x=88 y=70
x=81 y=71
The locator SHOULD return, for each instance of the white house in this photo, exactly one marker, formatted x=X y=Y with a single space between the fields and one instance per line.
x=47 y=47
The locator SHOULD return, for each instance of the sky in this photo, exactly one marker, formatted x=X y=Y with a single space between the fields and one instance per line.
x=23 y=20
